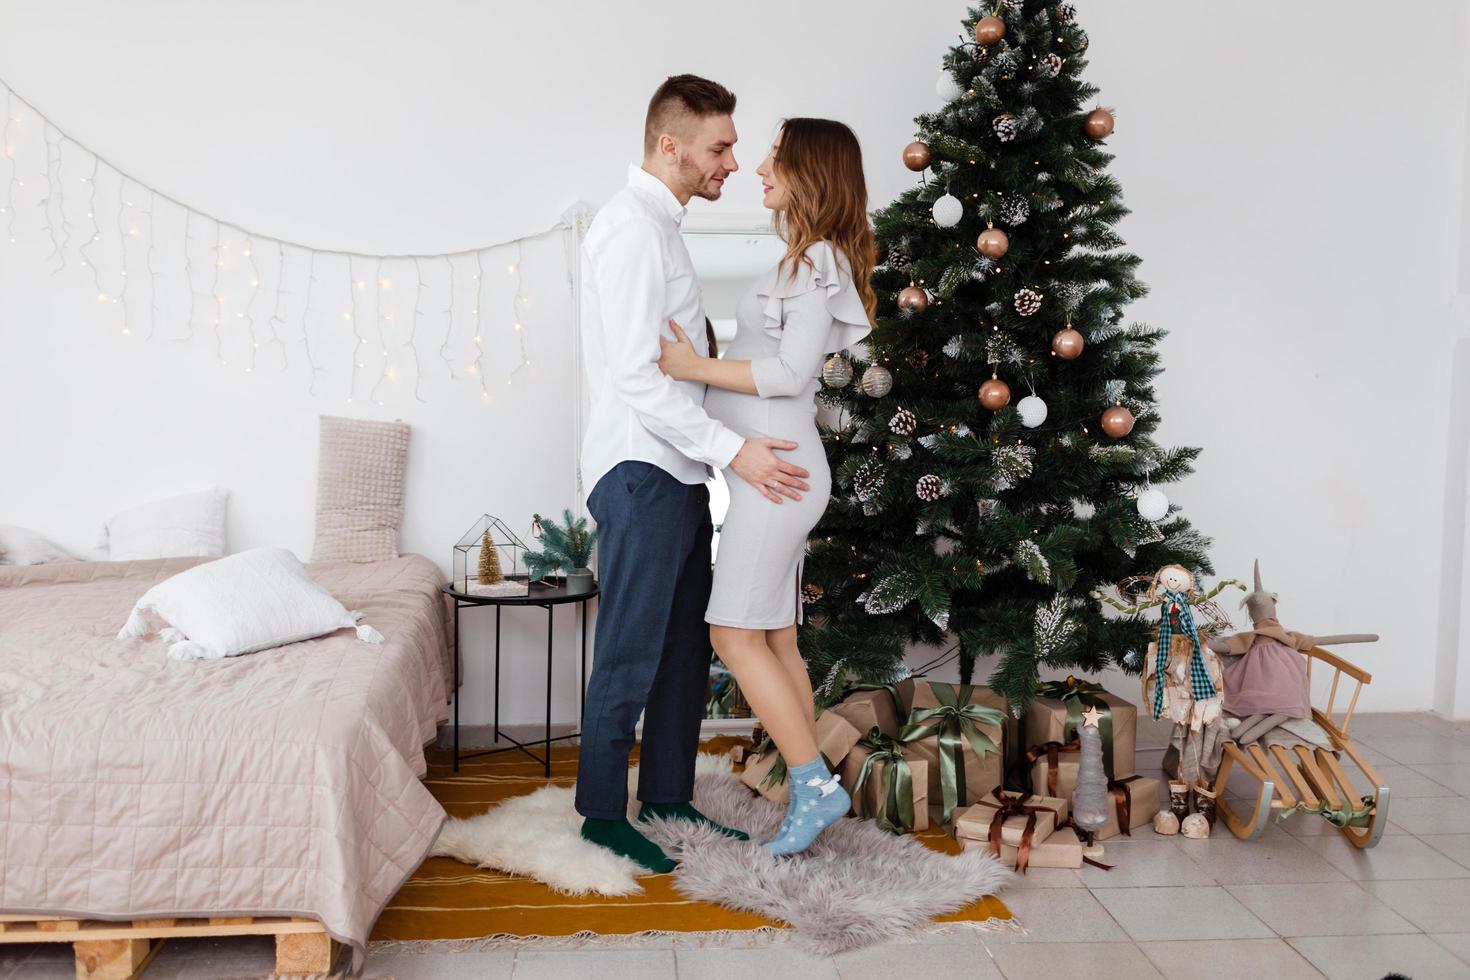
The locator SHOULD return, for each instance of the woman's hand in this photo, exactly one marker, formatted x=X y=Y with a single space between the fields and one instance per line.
x=678 y=358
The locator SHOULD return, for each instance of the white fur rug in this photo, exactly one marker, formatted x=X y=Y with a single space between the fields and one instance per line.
x=858 y=885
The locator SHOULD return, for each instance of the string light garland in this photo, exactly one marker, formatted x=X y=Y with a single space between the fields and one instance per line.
x=244 y=271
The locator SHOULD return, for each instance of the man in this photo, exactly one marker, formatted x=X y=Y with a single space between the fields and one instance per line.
x=647 y=456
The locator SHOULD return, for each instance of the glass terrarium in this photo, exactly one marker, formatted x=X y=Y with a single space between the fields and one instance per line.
x=489 y=560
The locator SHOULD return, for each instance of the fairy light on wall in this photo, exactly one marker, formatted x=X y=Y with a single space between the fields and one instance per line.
x=306 y=325
x=14 y=180
x=52 y=190
x=445 y=351
x=219 y=301
x=248 y=315
x=477 y=369
x=95 y=235
x=122 y=241
x=235 y=286
x=413 y=329
x=383 y=285
x=152 y=273
x=277 y=321
x=353 y=285
x=517 y=300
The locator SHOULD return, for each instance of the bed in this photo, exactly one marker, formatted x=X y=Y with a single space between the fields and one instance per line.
x=284 y=783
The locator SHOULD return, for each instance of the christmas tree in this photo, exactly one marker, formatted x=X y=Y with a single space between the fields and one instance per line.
x=490 y=573
x=963 y=514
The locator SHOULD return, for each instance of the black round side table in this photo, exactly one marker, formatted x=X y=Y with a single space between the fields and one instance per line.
x=547 y=597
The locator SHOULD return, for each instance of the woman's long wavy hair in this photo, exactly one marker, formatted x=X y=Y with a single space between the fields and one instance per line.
x=827 y=197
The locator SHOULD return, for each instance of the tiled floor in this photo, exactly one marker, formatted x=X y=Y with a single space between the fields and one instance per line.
x=1297 y=902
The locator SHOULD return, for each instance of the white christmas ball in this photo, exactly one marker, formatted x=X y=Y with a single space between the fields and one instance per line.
x=1153 y=505
x=947 y=211
x=947 y=88
x=1033 y=411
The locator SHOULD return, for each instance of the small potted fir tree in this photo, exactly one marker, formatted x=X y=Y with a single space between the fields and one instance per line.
x=566 y=547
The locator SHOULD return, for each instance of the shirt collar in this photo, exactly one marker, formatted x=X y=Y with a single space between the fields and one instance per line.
x=642 y=180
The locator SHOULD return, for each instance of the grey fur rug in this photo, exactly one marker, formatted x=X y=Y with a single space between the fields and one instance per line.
x=857 y=885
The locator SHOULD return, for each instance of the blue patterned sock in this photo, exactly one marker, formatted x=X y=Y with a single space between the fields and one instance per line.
x=817 y=803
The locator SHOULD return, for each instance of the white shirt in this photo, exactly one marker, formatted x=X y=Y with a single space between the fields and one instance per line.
x=639 y=277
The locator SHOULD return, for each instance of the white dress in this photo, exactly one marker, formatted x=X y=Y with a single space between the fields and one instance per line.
x=785 y=327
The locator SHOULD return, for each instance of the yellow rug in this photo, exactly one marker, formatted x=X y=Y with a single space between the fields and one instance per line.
x=448 y=900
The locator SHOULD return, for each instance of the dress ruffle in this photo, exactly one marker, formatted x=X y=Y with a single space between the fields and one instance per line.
x=828 y=271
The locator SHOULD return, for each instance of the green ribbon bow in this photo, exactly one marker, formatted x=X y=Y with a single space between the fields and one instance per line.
x=956 y=722
x=1345 y=816
x=896 y=815
x=1077 y=696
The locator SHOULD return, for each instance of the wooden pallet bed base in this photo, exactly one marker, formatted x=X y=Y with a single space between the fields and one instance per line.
x=119 y=950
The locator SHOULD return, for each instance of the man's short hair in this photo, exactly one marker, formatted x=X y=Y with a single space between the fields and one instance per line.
x=681 y=100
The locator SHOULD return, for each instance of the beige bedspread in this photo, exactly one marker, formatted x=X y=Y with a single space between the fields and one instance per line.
x=284 y=782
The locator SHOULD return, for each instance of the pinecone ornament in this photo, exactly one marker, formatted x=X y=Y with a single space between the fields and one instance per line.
x=810 y=593
x=1014 y=5
x=1028 y=301
x=1049 y=66
x=1014 y=210
x=903 y=423
x=867 y=483
x=928 y=488
x=898 y=255
x=1006 y=127
x=1066 y=13
x=918 y=358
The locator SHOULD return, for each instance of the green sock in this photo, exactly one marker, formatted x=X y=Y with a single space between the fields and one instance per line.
x=683 y=811
x=620 y=837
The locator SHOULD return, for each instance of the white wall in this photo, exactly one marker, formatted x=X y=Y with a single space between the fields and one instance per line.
x=1298 y=207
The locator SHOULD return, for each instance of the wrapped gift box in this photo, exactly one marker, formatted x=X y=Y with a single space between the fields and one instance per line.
x=974 y=822
x=981 y=773
x=835 y=739
x=1061 y=850
x=874 y=794
x=1139 y=796
x=1053 y=719
x=1054 y=769
x=866 y=710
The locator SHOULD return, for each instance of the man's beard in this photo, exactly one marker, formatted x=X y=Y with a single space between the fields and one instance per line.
x=696 y=182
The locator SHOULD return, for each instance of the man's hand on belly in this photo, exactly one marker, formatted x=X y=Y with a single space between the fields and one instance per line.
x=758 y=465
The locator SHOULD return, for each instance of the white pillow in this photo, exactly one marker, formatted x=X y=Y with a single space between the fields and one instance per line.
x=19 y=546
x=250 y=601
x=189 y=525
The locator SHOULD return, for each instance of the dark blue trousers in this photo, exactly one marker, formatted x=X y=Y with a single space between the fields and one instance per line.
x=653 y=651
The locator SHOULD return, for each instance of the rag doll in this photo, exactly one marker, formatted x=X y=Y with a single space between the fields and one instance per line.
x=1265 y=672
x=1182 y=678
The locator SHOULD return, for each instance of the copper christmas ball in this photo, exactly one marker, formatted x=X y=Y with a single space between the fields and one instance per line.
x=1099 y=124
x=1117 y=421
x=993 y=243
x=1067 y=344
x=995 y=394
x=916 y=155
x=913 y=298
x=988 y=30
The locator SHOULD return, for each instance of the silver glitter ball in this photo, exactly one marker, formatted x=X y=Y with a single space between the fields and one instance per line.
x=877 y=381
x=837 y=372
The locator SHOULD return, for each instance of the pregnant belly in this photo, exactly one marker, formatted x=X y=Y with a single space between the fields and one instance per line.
x=753 y=417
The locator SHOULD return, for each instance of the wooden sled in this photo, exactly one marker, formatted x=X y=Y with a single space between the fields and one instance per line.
x=1310 y=776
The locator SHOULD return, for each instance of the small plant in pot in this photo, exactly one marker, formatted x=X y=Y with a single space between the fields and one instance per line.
x=566 y=547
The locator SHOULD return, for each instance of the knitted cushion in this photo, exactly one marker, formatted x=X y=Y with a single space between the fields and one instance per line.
x=359 y=490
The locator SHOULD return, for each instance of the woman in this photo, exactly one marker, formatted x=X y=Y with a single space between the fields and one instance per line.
x=816 y=300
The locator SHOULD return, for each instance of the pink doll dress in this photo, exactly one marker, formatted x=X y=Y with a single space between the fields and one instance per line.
x=1270 y=678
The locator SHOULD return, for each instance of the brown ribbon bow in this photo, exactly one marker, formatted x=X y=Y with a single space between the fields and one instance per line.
x=1051 y=751
x=1007 y=805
